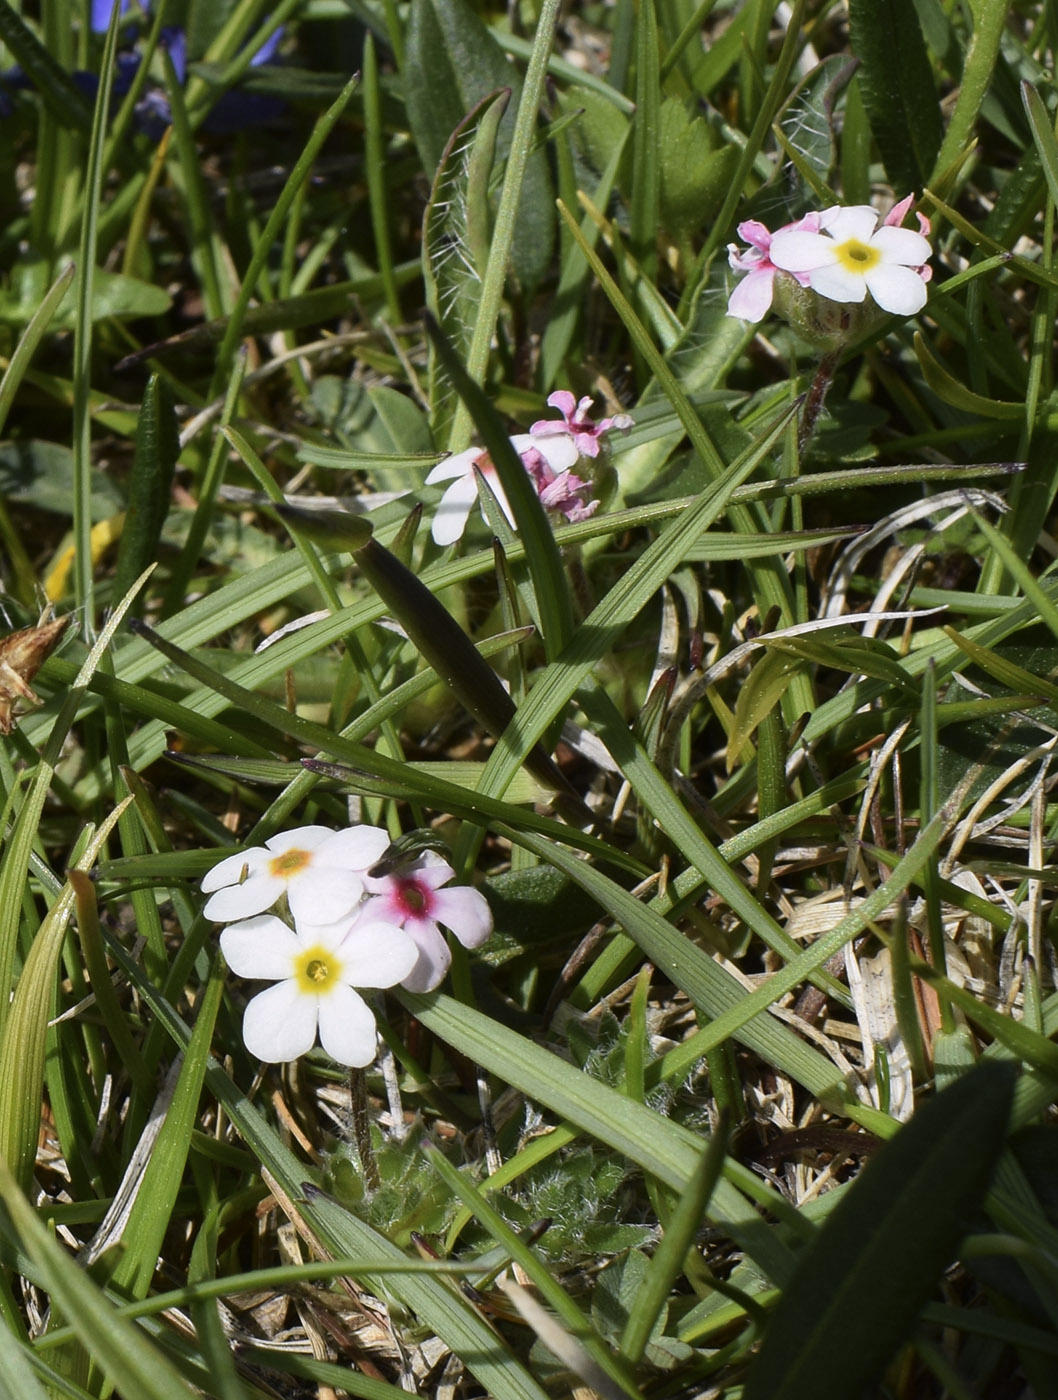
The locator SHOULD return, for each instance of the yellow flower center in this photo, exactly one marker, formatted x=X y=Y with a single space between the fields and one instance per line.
x=289 y=863
x=317 y=971
x=857 y=256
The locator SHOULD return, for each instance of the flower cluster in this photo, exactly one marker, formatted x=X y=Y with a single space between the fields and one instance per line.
x=842 y=254
x=549 y=451
x=332 y=926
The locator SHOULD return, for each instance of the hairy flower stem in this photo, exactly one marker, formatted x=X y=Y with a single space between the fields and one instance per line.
x=361 y=1120
x=816 y=398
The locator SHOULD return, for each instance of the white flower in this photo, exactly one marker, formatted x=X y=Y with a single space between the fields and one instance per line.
x=414 y=899
x=851 y=256
x=320 y=871
x=454 y=507
x=316 y=969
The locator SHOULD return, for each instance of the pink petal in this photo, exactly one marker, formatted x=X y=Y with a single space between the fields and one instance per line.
x=751 y=299
x=753 y=232
x=433 y=960
x=898 y=213
x=466 y=912
x=564 y=401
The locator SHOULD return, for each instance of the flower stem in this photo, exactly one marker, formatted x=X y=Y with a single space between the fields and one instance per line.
x=361 y=1120
x=816 y=397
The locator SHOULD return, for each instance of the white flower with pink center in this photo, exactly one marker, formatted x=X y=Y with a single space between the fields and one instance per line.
x=851 y=256
x=320 y=871
x=316 y=970
x=576 y=424
x=414 y=900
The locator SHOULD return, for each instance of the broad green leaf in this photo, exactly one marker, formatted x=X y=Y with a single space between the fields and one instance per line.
x=456 y=242
x=39 y=473
x=452 y=61
x=859 y=1288
x=897 y=86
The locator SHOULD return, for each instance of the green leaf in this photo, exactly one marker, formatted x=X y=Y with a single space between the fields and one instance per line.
x=860 y=1286
x=150 y=484
x=452 y=61
x=22 y=1044
x=40 y=474
x=898 y=89
x=456 y=242
x=955 y=393
x=660 y=1147
x=695 y=176
x=61 y=95
x=762 y=691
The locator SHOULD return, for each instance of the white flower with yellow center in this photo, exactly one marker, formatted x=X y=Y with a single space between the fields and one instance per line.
x=319 y=870
x=316 y=970
x=850 y=256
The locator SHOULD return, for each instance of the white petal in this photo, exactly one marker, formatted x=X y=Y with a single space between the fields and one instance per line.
x=897 y=289
x=450 y=520
x=347 y=1027
x=902 y=245
x=302 y=838
x=558 y=449
x=853 y=221
x=263 y=947
x=258 y=893
x=492 y=480
x=357 y=848
x=466 y=912
x=377 y=955
x=280 y=1024
x=751 y=299
x=798 y=251
x=460 y=464
x=229 y=870
x=432 y=962
x=323 y=894
x=837 y=283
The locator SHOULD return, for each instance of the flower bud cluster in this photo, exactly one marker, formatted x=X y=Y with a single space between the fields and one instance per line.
x=306 y=912
x=549 y=451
